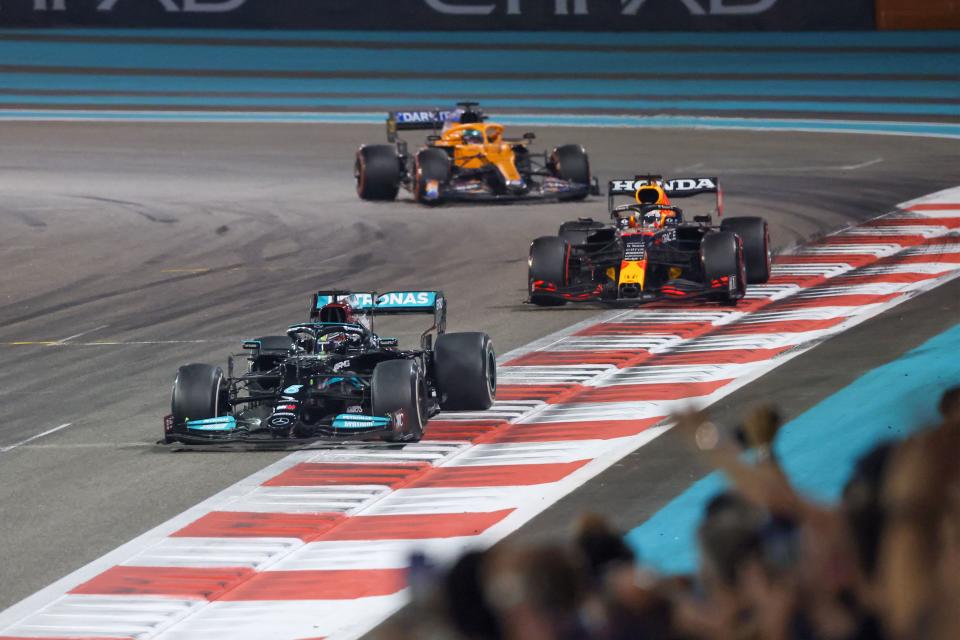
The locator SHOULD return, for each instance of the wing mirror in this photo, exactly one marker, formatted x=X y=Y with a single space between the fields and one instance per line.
x=529 y=136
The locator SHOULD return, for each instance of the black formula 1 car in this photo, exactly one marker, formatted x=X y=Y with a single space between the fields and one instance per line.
x=649 y=251
x=333 y=378
x=467 y=158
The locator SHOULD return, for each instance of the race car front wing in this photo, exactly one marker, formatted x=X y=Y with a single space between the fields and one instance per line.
x=228 y=429
x=679 y=289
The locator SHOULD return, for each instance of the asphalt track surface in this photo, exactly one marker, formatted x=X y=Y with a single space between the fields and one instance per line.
x=130 y=249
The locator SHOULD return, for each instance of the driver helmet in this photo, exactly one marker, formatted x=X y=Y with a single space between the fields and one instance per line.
x=653 y=219
x=659 y=218
x=333 y=342
x=472 y=136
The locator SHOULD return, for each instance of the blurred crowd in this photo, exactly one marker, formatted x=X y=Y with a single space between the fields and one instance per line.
x=883 y=563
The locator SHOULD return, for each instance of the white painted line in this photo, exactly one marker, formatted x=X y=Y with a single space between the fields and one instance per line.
x=111 y=343
x=82 y=333
x=13 y=446
x=689 y=167
x=862 y=165
x=336 y=498
x=377 y=554
x=841 y=167
x=253 y=553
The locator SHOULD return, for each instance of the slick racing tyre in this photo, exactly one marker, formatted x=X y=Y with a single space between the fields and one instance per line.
x=431 y=166
x=466 y=371
x=570 y=162
x=398 y=390
x=377 y=170
x=754 y=233
x=549 y=262
x=198 y=393
x=722 y=255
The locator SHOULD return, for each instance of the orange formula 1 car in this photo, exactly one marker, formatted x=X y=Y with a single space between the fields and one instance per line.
x=467 y=158
x=649 y=251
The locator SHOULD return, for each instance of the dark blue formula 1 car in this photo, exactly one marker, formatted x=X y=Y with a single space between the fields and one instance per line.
x=334 y=378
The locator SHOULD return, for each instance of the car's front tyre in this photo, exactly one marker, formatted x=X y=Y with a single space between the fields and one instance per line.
x=397 y=388
x=755 y=234
x=431 y=174
x=377 y=172
x=549 y=262
x=199 y=393
x=722 y=255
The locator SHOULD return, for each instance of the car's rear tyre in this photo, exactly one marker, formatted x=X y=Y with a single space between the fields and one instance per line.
x=431 y=164
x=722 y=255
x=398 y=390
x=570 y=162
x=549 y=261
x=755 y=234
x=198 y=393
x=377 y=171
x=576 y=231
x=466 y=371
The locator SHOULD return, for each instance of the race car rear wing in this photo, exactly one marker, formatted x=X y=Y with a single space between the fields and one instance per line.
x=432 y=118
x=371 y=303
x=414 y=120
x=673 y=187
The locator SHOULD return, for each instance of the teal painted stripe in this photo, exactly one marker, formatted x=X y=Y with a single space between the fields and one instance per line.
x=446 y=89
x=749 y=39
x=807 y=106
x=190 y=57
x=819 y=448
x=936 y=130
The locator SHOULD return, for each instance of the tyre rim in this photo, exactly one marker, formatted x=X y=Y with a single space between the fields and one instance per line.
x=418 y=401
x=358 y=174
x=216 y=398
x=742 y=286
x=766 y=247
x=491 y=373
x=417 y=180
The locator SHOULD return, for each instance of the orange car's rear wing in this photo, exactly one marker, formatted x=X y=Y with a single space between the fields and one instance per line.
x=414 y=120
x=673 y=187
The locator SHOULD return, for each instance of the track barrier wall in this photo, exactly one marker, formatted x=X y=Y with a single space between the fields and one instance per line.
x=574 y=15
